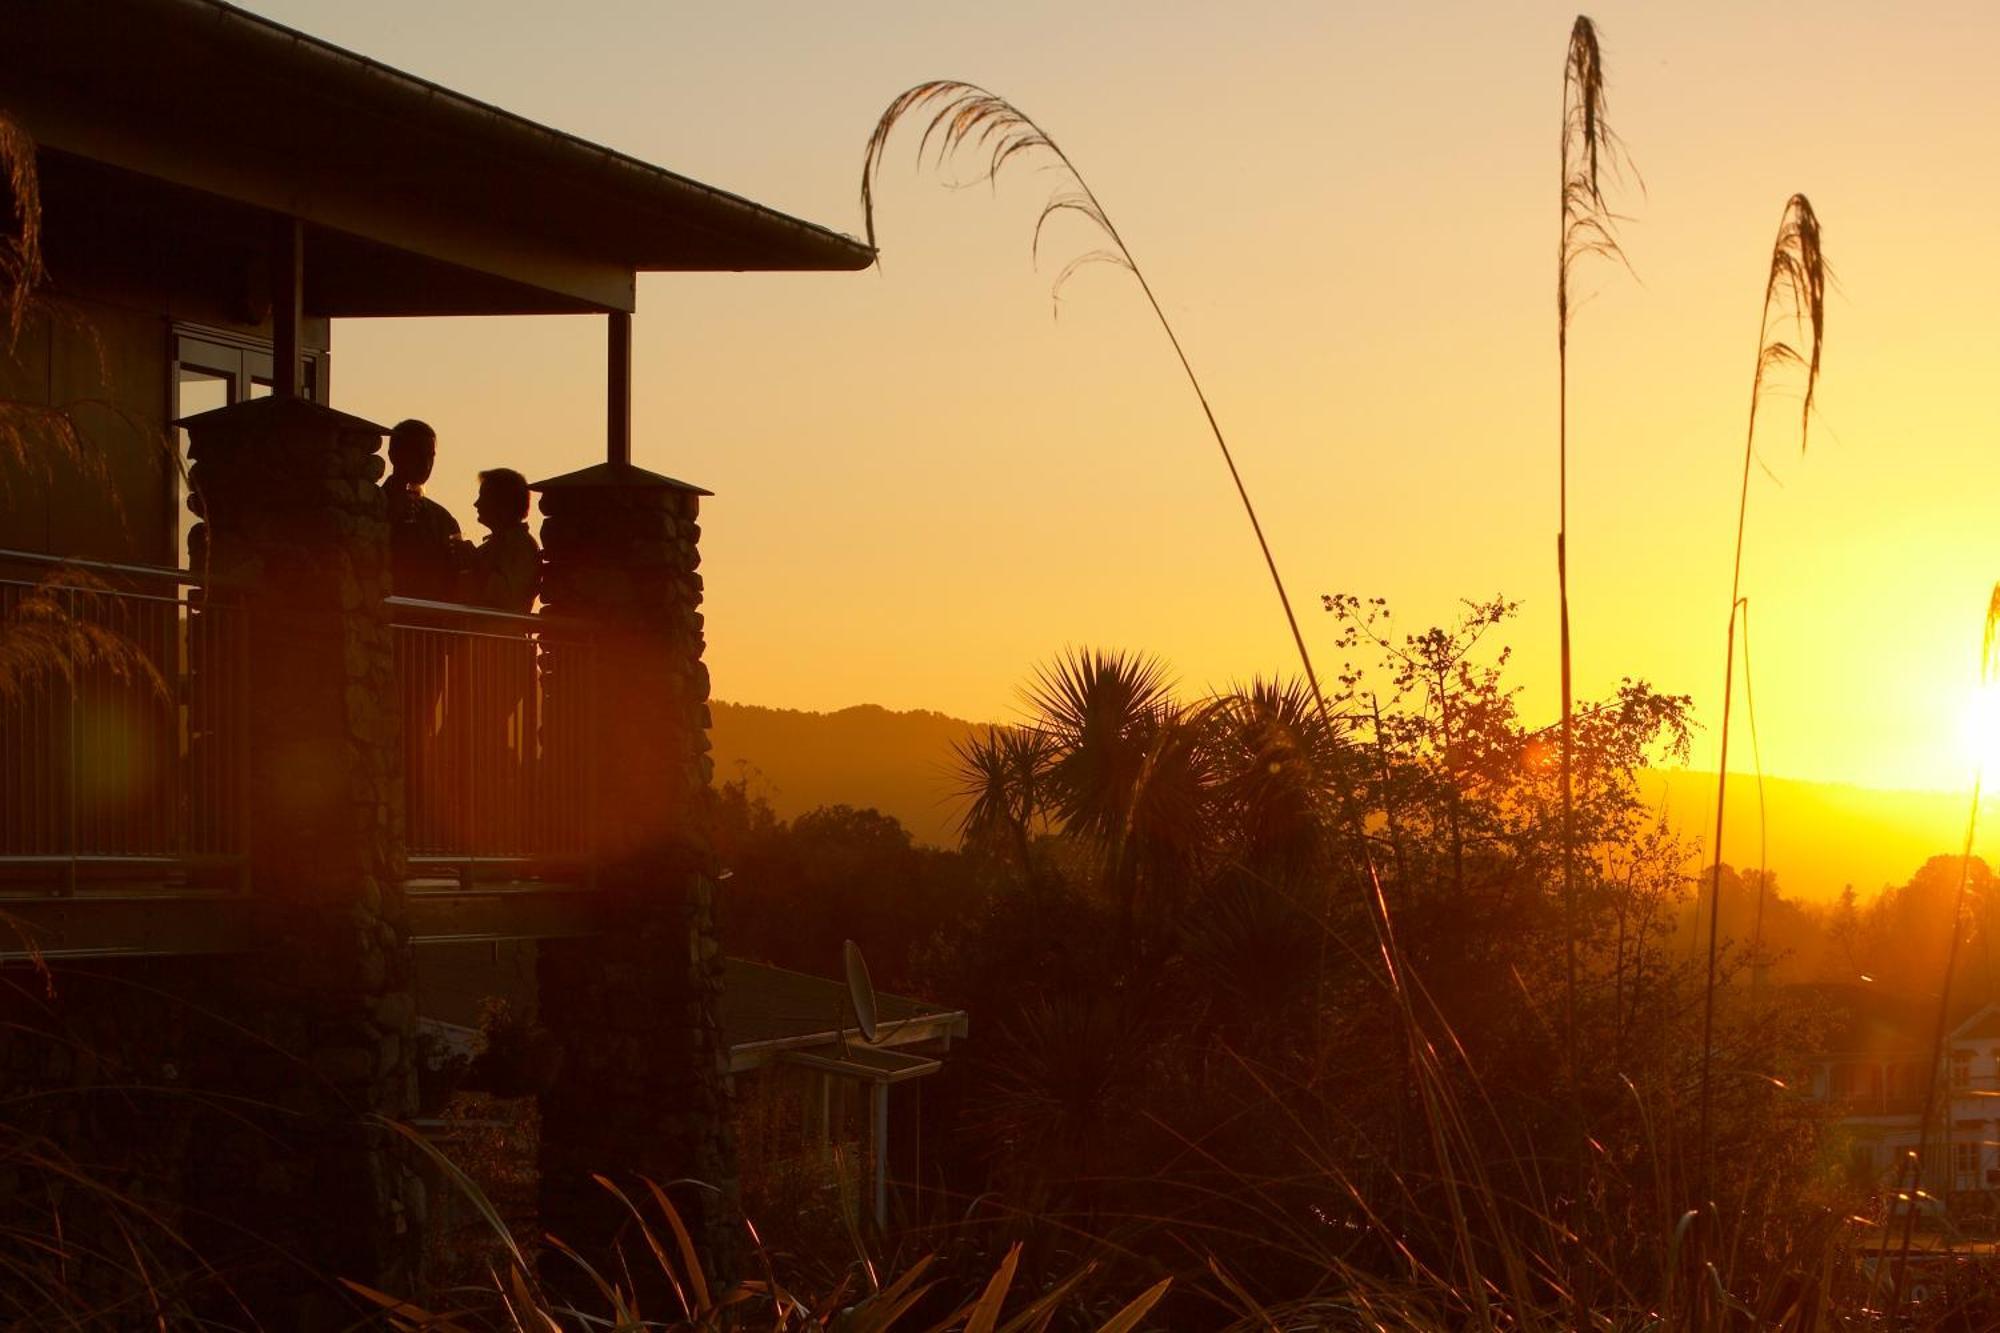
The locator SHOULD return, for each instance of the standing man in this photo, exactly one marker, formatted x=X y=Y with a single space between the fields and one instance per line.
x=421 y=531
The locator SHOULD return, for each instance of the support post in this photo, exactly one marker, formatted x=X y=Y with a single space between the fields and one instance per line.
x=299 y=1172
x=618 y=389
x=288 y=290
x=644 y=1090
x=878 y=1117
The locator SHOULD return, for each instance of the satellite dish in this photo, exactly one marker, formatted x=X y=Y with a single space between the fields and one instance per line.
x=860 y=990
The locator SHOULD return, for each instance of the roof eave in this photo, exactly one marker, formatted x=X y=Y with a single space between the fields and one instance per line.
x=811 y=247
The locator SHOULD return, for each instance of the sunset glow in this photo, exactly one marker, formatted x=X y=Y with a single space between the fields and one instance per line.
x=1051 y=665
x=952 y=483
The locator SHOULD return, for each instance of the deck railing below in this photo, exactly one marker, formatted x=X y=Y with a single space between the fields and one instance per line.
x=121 y=739
x=495 y=774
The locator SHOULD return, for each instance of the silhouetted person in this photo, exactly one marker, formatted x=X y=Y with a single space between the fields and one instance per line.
x=422 y=534
x=421 y=531
x=505 y=570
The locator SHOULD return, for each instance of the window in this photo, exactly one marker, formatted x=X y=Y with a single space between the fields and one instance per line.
x=1965 y=1158
x=214 y=368
x=1961 y=1069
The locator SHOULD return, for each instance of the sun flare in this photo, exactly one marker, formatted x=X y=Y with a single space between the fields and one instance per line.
x=1979 y=730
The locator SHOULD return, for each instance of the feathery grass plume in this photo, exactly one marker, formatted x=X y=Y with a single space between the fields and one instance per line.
x=1989 y=680
x=1794 y=299
x=50 y=633
x=964 y=118
x=20 y=252
x=1590 y=151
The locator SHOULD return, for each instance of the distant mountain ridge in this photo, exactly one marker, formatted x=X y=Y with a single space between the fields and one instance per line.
x=1823 y=835
x=897 y=762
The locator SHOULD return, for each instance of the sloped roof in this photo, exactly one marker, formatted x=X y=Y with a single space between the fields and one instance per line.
x=1981 y=1025
x=1866 y=1020
x=383 y=166
x=772 y=1006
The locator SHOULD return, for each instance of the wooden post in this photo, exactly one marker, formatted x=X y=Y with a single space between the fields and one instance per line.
x=288 y=281
x=878 y=1124
x=618 y=389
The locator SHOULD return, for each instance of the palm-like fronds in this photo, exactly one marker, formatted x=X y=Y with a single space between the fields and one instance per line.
x=1589 y=149
x=1002 y=780
x=1128 y=770
x=1098 y=709
x=1791 y=331
x=1274 y=757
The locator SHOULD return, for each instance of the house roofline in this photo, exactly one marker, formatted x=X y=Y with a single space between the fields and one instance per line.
x=837 y=250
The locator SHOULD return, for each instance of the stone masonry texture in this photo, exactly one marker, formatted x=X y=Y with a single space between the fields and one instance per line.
x=643 y=1090
x=310 y=1173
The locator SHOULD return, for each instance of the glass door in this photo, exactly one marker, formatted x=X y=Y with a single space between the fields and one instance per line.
x=214 y=368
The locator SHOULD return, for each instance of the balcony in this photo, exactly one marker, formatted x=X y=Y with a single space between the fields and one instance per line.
x=124 y=721
x=122 y=693
x=496 y=783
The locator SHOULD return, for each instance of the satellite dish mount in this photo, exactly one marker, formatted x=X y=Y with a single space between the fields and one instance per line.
x=860 y=996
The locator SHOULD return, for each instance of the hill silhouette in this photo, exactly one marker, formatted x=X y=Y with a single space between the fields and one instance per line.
x=1823 y=836
x=896 y=762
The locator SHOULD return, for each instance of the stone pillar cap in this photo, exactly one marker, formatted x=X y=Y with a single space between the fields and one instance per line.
x=615 y=476
x=280 y=411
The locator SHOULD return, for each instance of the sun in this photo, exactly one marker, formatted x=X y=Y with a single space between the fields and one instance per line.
x=1979 y=730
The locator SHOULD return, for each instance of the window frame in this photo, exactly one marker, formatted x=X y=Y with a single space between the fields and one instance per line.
x=245 y=362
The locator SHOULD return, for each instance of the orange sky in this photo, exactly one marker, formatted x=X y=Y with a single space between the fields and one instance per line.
x=925 y=484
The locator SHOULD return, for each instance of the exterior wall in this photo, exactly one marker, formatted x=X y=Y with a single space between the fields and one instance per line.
x=87 y=446
x=86 y=454
x=1883 y=1097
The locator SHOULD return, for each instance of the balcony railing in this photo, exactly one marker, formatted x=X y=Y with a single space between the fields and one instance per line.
x=121 y=740
x=496 y=783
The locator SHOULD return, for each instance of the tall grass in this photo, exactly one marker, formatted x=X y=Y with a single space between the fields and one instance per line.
x=660 y=1253
x=963 y=118
x=1989 y=673
x=1794 y=299
x=1589 y=148
x=1763 y=816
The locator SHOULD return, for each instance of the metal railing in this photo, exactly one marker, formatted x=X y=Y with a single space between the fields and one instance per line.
x=496 y=783
x=122 y=693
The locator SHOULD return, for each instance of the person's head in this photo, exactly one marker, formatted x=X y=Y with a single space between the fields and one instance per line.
x=503 y=498
x=412 y=451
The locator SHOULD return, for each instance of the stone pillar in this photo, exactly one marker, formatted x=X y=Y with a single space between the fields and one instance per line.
x=644 y=1084
x=295 y=532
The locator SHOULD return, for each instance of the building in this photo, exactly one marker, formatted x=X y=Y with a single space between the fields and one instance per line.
x=249 y=802
x=1874 y=1071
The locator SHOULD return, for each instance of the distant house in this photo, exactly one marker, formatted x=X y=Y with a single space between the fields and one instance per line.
x=343 y=795
x=1874 y=1069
